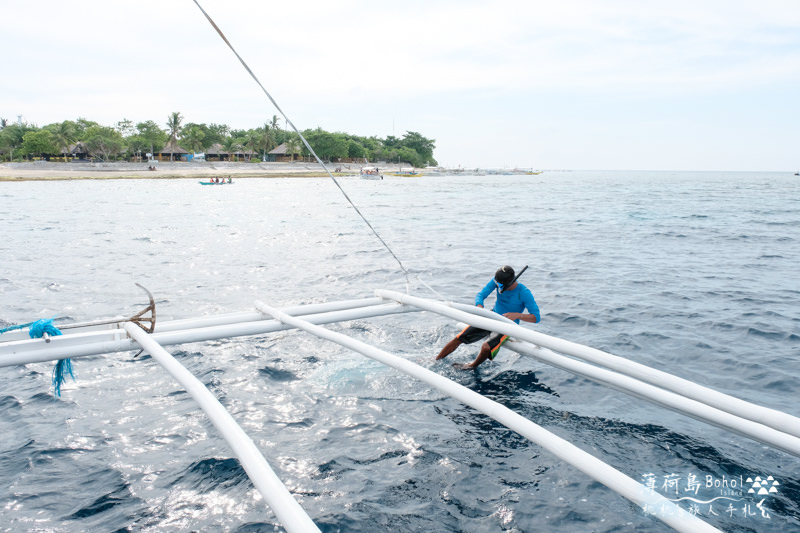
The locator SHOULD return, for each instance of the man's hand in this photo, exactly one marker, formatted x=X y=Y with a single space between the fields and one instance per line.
x=521 y=316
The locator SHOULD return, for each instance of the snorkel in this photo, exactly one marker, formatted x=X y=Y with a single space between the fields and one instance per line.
x=504 y=286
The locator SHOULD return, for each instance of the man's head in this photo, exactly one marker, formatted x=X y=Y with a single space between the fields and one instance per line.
x=504 y=277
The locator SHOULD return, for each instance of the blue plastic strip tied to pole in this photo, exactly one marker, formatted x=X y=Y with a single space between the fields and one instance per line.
x=44 y=328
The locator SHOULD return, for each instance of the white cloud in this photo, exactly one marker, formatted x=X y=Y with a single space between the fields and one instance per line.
x=337 y=62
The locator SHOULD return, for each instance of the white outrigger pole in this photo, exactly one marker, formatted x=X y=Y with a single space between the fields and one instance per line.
x=675 y=393
x=671 y=391
x=110 y=337
x=634 y=491
x=275 y=493
x=124 y=334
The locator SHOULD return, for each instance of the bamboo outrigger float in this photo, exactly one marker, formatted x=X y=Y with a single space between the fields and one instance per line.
x=774 y=428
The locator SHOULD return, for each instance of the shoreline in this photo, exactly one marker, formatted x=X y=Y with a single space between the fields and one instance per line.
x=173 y=170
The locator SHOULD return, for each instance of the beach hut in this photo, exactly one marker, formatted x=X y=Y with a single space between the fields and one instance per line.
x=170 y=152
x=215 y=152
x=78 y=151
x=281 y=154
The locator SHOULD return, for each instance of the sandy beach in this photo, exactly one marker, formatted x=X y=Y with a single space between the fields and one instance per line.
x=173 y=170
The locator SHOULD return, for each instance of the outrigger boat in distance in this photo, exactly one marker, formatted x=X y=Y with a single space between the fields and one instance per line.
x=223 y=181
x=371 y=173
x=406 y=172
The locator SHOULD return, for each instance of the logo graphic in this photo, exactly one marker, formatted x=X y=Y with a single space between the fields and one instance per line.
x=714 y=496
x=763 y=486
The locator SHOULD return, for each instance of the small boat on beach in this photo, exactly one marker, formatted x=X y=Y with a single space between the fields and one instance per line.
x=407 y=173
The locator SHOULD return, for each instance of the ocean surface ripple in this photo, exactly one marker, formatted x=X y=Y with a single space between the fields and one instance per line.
x=691 y=273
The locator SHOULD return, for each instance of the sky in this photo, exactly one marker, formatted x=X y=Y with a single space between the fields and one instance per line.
x=571 y=85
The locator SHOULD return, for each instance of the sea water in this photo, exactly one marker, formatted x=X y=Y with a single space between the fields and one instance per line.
x=695 y=274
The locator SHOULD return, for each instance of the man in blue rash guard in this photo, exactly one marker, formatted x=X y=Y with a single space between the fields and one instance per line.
x=512 y=299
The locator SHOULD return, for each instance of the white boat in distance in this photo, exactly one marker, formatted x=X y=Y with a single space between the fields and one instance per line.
x=371 y=173
x=410 y=172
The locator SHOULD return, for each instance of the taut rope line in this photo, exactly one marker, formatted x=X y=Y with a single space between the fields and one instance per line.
x=308 y=146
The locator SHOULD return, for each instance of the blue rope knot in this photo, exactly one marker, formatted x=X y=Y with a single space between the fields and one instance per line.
x=40 y=327
x=64 y=366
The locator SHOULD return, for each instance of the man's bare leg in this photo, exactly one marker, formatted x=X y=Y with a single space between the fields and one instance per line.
x=483 y=355
x=449 y=348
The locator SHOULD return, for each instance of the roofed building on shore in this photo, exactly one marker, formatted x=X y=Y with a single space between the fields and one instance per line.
x=215 y=152
x=171 y=152
x=77 y=151
x=243 y=155
x=281 y=154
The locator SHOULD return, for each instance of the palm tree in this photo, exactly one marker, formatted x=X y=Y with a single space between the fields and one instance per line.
x=231 y=145
x=174 y=126
x=266 y=141
x=3 y=123
x=64 y=135
x=274 y=123
x=252 y=143
x=292 y=146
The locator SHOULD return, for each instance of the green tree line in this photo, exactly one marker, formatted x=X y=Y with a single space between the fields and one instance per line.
x=129 y=141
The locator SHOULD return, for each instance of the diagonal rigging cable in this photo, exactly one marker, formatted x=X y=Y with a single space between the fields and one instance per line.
x=308 y=146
